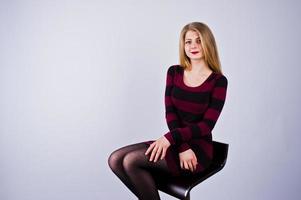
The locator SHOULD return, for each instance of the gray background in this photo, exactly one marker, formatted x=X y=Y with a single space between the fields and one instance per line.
x=79 y=79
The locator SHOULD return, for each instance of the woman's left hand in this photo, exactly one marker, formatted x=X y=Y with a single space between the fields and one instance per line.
x=158 y=149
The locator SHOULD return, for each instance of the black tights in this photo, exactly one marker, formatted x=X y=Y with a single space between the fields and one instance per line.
x=135 y=170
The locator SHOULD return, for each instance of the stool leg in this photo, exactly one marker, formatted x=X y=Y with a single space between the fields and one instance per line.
x=187 y=197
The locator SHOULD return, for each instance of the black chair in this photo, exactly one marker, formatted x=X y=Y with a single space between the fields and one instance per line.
x=180 y=187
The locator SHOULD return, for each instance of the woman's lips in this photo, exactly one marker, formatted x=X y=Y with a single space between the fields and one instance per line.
x=194 y=52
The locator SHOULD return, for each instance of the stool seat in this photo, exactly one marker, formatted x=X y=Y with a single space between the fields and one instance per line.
x=180 y=187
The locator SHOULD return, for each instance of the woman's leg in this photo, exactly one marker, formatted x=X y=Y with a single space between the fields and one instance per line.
x=140 y=171
x=135 y=170
x=116 y=163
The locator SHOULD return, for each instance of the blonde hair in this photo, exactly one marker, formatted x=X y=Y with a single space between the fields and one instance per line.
x=208 y=44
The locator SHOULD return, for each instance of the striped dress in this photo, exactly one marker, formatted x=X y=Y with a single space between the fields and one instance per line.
x=191 y=114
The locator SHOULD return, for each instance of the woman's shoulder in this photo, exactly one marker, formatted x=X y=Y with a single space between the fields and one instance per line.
x=221 y=80
x=174 y=69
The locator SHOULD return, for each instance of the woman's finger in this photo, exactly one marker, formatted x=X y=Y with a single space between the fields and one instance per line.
x=186 y=165
x=163 y=153
x=190 y=166
x=182 y=164
x=153 y=153
x=158 y=153
x=194 y=162
x=150 y=148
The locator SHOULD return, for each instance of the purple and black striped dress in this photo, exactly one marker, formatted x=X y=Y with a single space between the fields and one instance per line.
x=191 y=114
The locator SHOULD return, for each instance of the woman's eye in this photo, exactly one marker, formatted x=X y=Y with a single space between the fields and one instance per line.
x=188 y=42
x=198 y=41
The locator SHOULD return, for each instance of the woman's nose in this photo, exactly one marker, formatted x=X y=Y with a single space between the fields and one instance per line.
x=193 y=45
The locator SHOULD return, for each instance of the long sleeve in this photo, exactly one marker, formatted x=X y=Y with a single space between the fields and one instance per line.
x=181 y=135
x=171 y=116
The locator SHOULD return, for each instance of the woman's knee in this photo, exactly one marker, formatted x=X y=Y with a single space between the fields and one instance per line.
x=129 y=161
x=134 y=159
x=125 y=156
x=115 y=159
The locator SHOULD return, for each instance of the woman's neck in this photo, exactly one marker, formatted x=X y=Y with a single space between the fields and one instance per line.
x=199 y=67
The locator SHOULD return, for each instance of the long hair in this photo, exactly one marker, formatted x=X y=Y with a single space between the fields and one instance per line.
x=208 y=44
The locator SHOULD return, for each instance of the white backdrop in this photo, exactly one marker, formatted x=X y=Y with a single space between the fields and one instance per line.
x=79 y=79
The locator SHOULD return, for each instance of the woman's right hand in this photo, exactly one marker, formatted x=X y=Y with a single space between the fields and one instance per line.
x=188 y=160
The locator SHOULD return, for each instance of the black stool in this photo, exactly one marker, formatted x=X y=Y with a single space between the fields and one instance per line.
x=180 y=187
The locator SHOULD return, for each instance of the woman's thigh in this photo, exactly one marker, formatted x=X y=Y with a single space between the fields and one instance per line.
x=137 y=159
x=118 y=155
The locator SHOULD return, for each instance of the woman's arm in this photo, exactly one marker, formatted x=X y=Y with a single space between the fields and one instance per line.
x=157 y=149
x=171 y=116
x=178 y=136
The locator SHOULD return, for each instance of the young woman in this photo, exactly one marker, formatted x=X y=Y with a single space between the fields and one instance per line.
x=194 y=98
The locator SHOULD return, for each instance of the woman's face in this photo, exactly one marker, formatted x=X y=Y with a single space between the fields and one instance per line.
x=193 y=47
